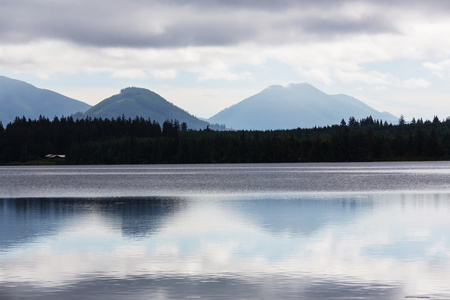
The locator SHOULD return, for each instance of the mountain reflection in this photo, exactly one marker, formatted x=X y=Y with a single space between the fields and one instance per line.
x=302 y=216
x=24 y=219
x=143 y=216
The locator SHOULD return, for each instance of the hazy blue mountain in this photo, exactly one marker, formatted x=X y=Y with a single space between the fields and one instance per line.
x=297 y=105
x=18 y=98
x=132 y=102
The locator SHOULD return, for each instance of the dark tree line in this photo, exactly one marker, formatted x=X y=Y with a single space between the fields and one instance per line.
x=123 y=141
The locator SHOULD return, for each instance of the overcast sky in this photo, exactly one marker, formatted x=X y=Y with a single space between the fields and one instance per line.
x=205 y=55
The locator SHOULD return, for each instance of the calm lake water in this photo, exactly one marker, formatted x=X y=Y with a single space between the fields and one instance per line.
x=265 y=231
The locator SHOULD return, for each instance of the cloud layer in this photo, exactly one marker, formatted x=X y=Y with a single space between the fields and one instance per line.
x=175 y=23
x=340 y=43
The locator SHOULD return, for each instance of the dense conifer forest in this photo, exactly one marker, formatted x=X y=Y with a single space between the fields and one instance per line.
x=135 y=141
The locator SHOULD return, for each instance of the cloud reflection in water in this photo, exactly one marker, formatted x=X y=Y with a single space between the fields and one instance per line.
x=382 y=246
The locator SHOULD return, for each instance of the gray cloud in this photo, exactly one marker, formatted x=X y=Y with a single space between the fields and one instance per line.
x=346 y=26
x=177 y=23
x=288 y=4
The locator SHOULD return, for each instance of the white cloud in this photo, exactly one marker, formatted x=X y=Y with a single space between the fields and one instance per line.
x=322 y=75
x=439 y=69
x=165 y=73
x=372 y=77
x=414 y=83
x=131 y=74
x=229 y=76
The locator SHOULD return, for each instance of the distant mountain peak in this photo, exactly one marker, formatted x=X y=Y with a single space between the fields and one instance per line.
x=134 y=90
x=290 y=86
x=275 y=86
x=299 y=87
x=141 y=102
x=302 y=84
x=292 y=106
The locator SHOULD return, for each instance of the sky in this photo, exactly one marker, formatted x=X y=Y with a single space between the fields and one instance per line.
x=206 y=55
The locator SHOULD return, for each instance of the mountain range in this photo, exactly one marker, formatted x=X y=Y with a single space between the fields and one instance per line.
x=21 y=99
x=293 y=106
x=277 y=107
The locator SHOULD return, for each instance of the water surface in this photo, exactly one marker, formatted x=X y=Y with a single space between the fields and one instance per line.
x=276 y=231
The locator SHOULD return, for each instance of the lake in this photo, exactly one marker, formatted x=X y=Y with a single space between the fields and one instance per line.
x=237 y=231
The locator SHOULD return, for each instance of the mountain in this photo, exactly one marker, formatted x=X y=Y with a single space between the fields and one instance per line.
x=18 y=98
x=132 y=102
x=293 y=106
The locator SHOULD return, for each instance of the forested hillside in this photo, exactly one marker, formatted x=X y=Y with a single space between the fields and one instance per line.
x=144 y=103
x=120 y=141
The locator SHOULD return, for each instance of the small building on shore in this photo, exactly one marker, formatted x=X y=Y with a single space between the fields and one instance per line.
x=55 y=156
